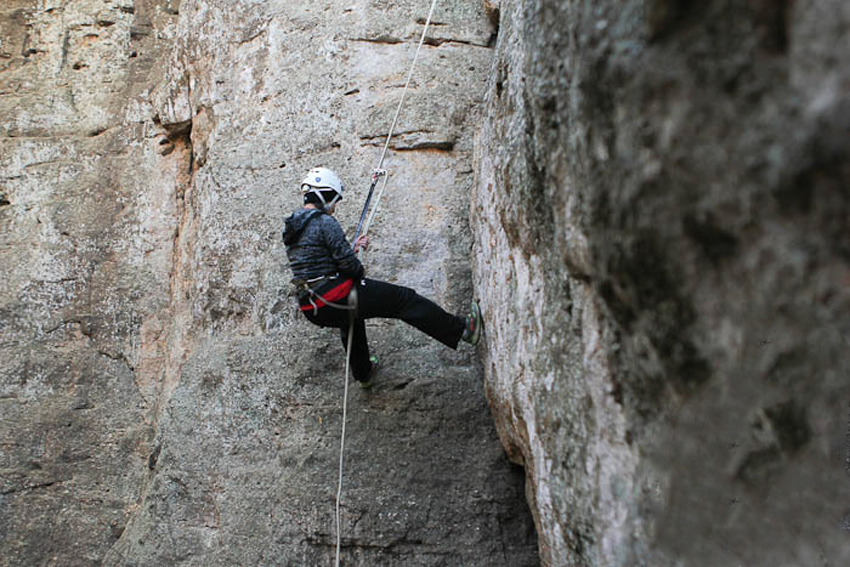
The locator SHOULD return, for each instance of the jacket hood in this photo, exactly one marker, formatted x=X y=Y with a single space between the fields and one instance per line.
x=296 y=223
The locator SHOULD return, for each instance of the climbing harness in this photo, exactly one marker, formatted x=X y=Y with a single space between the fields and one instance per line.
x=376 y=176
x=306 y=289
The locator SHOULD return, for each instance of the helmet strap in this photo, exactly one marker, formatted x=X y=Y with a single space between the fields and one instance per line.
x=325 y=205
x=319 y=193
x=322 y=199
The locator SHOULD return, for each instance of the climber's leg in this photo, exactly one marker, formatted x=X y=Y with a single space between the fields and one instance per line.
x=361 y=365
x=382 y=299
x=328 y=316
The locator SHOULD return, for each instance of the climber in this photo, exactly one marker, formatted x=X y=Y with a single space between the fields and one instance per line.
x=326 y=268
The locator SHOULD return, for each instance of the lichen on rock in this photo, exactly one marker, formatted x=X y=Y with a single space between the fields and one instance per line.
x=656 y=215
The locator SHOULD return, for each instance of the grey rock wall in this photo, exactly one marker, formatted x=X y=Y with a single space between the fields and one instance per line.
x=659 y=239
x=661 y=227
x=161 y=403
x=88 y=207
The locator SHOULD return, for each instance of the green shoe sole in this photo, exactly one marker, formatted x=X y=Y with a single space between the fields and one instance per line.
x=366 y=384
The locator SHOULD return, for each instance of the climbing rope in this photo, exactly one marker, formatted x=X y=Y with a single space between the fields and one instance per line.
x=378 y=170
x=352 y=302
x=353 y=295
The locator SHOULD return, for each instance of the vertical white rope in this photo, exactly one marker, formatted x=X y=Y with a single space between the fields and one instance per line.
x=407 y=84
x=398 y=113
x=351 y=326
x=342 y=437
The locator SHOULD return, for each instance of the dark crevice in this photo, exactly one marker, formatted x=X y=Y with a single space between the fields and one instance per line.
x=437 y=42
x=445 y=146
x=396 y=135
x=139 y=32
x=154 y=457
x=177 y=131
x=423 y=21
x=119 y=357
x=662 y=16
x=96 y=132
x=400 y=145
x=30 y=487
x=771 y=19
x=430 y=41
x=715 y=242
x=65 y=47
x=790 y=424
x=384 y=39
x=494 y=13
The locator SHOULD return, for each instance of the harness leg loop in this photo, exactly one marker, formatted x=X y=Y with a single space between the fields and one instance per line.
x=352 y=303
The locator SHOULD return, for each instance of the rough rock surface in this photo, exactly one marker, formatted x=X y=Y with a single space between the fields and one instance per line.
x=661 y=224
x=160 y=402
x=660 y=233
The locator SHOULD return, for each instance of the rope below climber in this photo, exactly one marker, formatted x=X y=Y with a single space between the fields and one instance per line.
x=322 y=190
x=328 y=275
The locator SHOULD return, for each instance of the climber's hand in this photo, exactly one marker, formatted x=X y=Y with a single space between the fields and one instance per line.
x=362 y=243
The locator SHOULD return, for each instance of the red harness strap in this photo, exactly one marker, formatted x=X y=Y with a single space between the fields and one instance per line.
x=334 y=294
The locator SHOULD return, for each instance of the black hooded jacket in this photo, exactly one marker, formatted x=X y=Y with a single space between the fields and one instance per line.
x=316 y=246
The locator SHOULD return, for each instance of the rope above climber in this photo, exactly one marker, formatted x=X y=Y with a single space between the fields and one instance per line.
x=326 y=269
x=315 y=242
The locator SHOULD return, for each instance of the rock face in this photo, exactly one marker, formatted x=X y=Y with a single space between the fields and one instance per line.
x=661 y=240
x=659 y=234
x=88 y=207
x=161 y=403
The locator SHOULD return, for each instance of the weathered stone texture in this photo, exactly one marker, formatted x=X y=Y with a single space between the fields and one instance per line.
x=88 y=209
x=661 y=227
x=161 y=403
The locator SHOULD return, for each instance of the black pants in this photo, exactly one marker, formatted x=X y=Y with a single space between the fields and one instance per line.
x=380 y=299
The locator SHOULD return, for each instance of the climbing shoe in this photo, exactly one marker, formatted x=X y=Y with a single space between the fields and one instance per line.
x=474 y=324
x=370 y=381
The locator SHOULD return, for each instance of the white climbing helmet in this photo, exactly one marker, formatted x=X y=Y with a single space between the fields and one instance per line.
x=319 y=181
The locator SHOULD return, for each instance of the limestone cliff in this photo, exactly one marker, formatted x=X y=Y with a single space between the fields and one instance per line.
x=161 y=402
x=661 y=216
x=649 y=198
